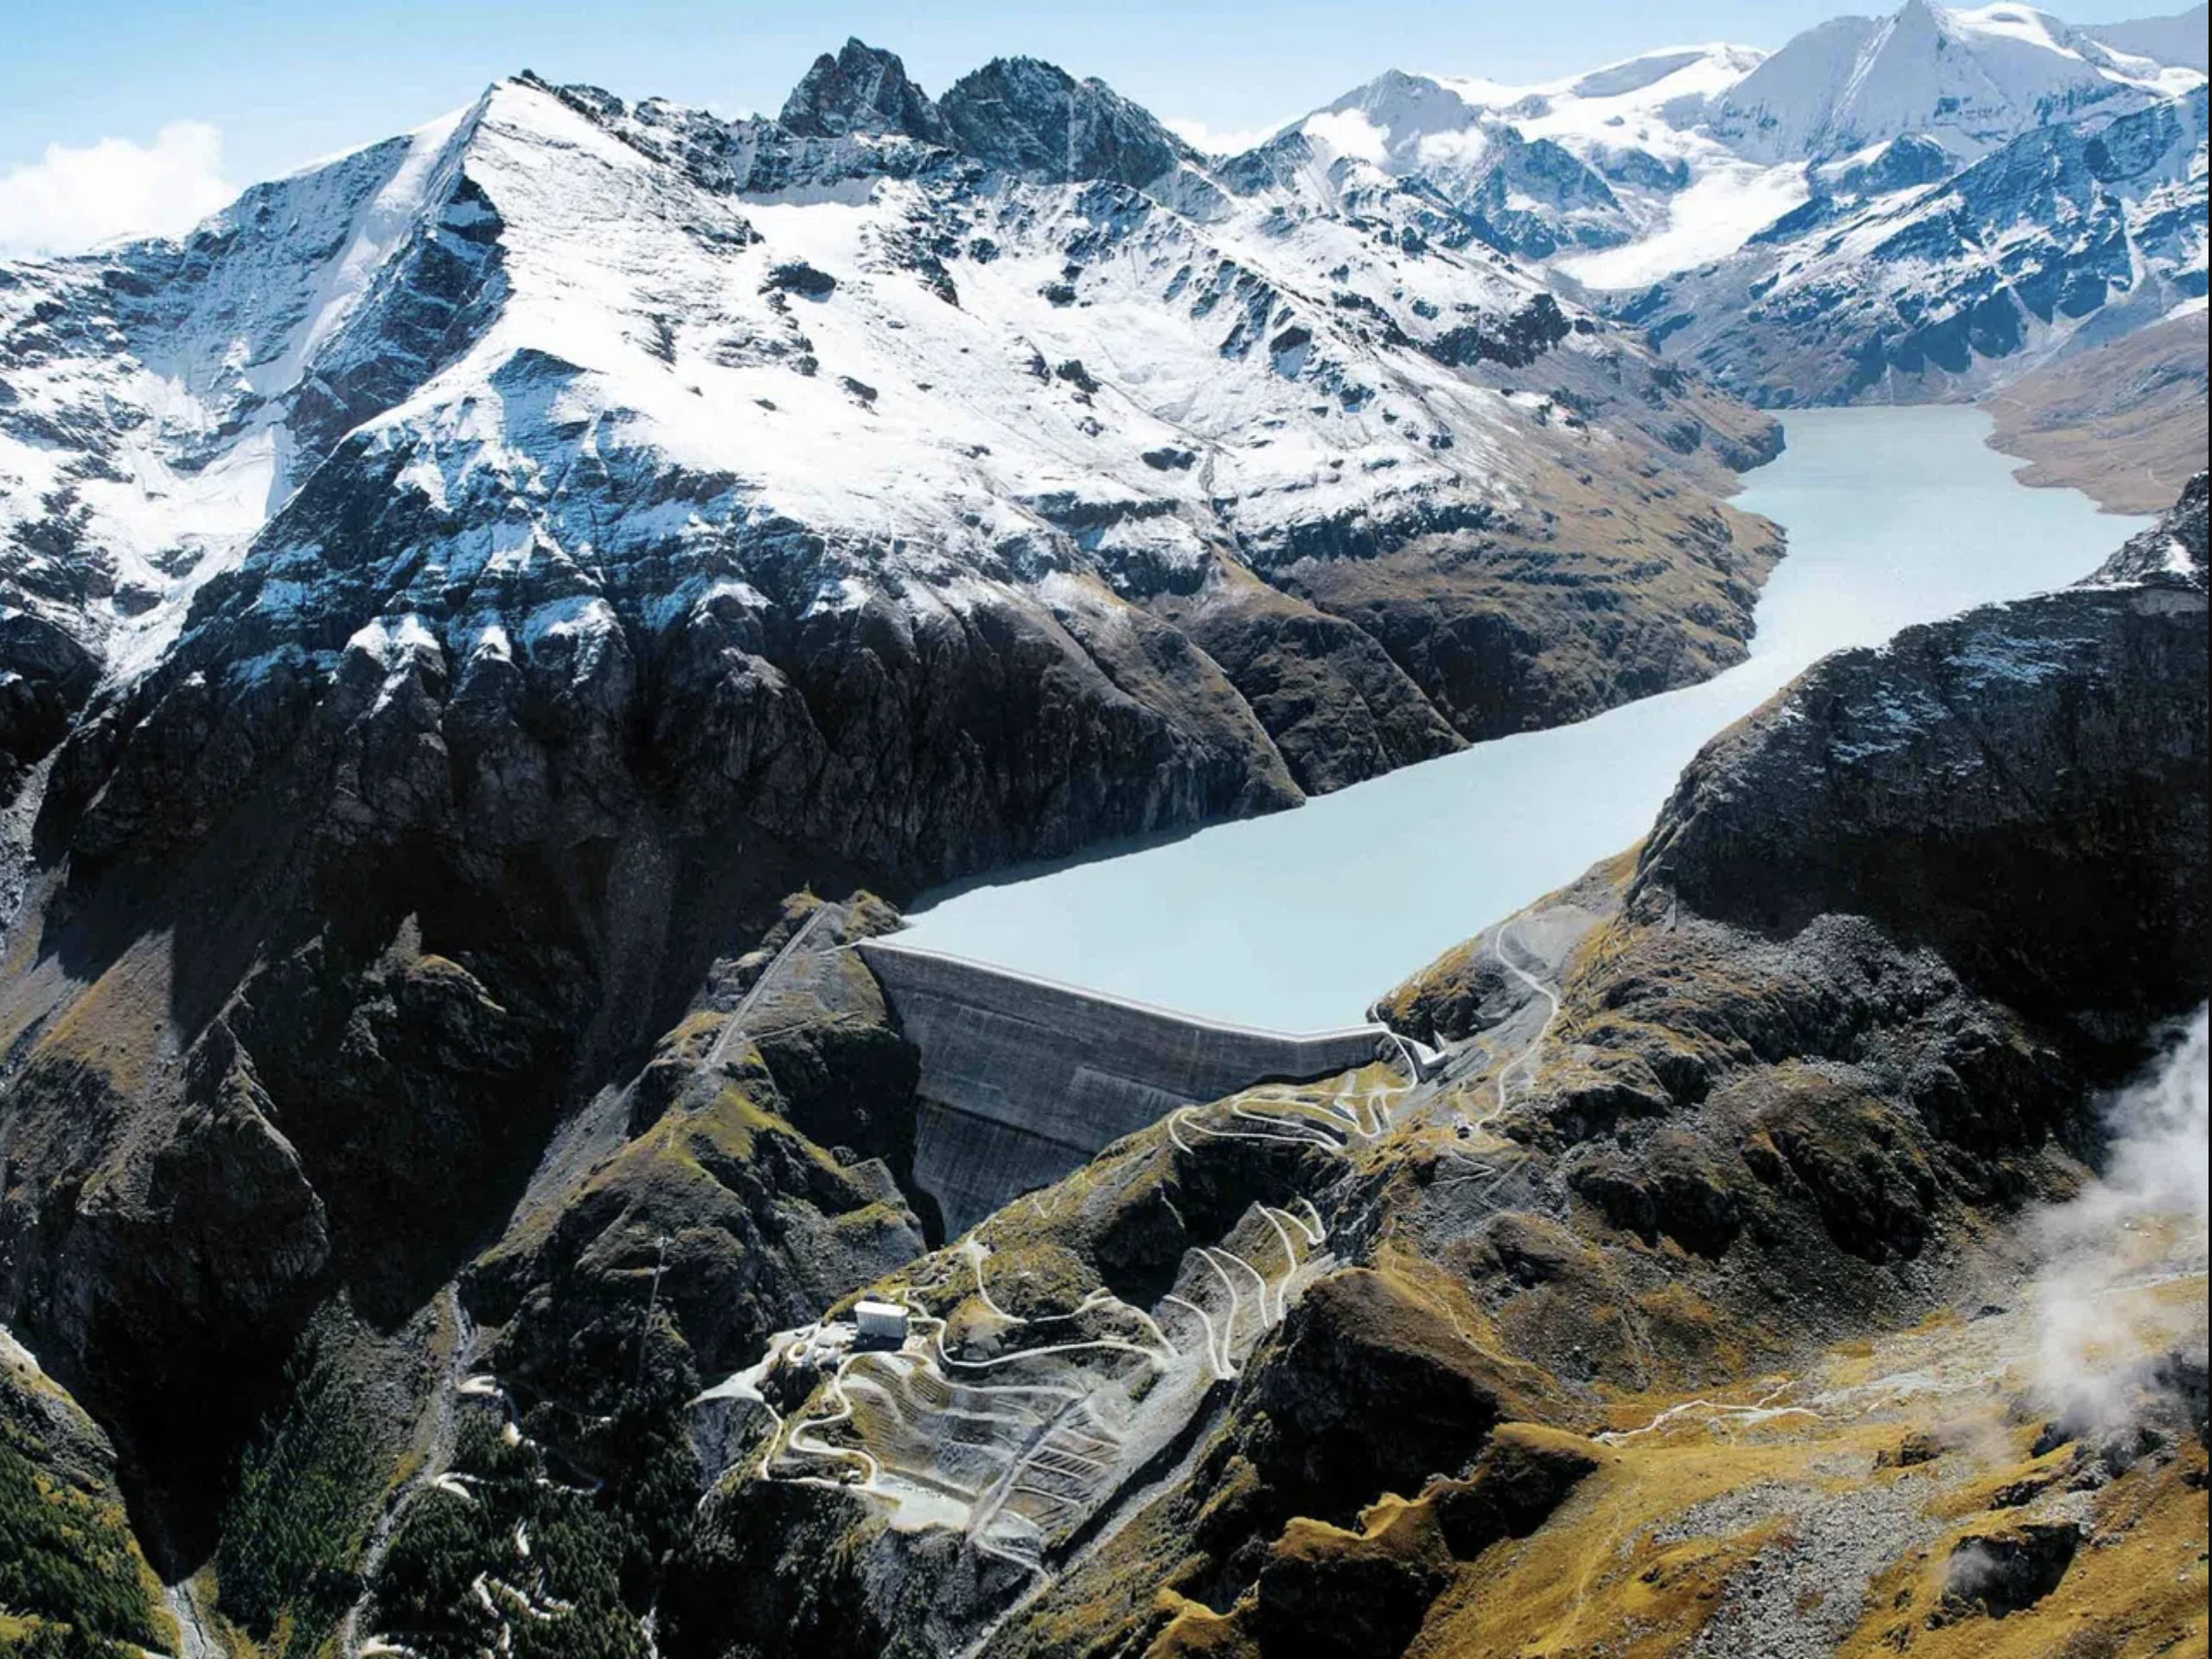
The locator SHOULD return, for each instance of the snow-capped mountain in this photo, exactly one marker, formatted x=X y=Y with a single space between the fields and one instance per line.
x=483 y=619
x=1883 y=206
x=162 y=405
x=1886 y=285
x=1619 y=159
x=477 y=579
x=1969 y=80
x=1671 y=160
x=819 y=435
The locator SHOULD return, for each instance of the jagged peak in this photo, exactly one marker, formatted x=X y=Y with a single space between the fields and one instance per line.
x=1034 y=118
x=2171 y=553
x=863 y=89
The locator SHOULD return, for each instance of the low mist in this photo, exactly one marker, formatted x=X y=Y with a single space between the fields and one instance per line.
x=2105 y=1332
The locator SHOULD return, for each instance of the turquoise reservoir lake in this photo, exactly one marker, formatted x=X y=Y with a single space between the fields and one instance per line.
x=1299 y=920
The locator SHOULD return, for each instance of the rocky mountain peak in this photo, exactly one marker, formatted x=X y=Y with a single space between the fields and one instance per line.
x=1974 y=78
x=862 y=89
x=1034 y=118
x=2170 y=553
x=1900 y=165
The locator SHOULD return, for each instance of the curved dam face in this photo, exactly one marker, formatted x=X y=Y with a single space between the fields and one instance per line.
x=1024 y=1081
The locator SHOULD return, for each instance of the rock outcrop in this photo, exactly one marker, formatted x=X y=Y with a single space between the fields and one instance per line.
x=862 y=90
x=2049 y=749
x=1038 y=121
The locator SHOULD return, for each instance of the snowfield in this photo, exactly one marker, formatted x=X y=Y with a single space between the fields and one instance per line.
x=628 y=366
x=1675 y=158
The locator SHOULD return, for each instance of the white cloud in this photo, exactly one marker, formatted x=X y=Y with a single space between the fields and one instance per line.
x=1220 y=141
x=1349 y=132
x=69 y=200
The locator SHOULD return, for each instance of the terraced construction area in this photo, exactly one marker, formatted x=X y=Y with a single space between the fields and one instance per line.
x=1027 y=1404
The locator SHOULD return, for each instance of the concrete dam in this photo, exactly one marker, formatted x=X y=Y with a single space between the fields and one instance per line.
x=1024 y=1081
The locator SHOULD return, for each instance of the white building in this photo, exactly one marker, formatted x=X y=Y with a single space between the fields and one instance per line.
x=882 y=1324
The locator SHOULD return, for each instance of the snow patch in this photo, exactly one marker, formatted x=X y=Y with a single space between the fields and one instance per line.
x=1709 y=220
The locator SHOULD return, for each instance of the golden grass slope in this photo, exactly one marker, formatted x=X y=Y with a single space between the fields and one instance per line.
x=2124 y=423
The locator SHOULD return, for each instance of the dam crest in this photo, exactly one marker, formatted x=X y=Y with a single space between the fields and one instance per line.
x=1024 y=1079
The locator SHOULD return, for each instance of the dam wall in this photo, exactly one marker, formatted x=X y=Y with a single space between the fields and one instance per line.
x=1023 y=1080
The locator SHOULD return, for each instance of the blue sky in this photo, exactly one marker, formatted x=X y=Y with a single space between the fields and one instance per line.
x=186 y=96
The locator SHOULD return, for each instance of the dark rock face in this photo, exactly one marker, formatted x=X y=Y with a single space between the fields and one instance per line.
x=2002 y=1573
x=1526 y=189
x=727 y=1192
x=46 y=674
x=1040 y=122
x=1357 y=1338
x=1338 y=707
x=797 y=277
x=773 y=1560
x=1518 y=343
x=1641 y=167
x=2053 y=750
x=204 y=1238
x=798 y=729
x=2171 y=554
x=1903 y=162
x=864 y=90
x=1366 y=1598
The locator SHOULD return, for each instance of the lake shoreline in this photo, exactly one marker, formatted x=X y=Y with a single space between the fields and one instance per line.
x=1299 y=919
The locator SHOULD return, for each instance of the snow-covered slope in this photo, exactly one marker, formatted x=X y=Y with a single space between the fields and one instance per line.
x=159 y=406
x=1611 y=160
x=2179 y=40
x=2070 y=236
x=1972 y=80
x=1673 y=159
x=668 y=418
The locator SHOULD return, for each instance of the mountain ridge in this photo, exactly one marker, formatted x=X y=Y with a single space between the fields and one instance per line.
x=524 y=552
x=485 y=617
